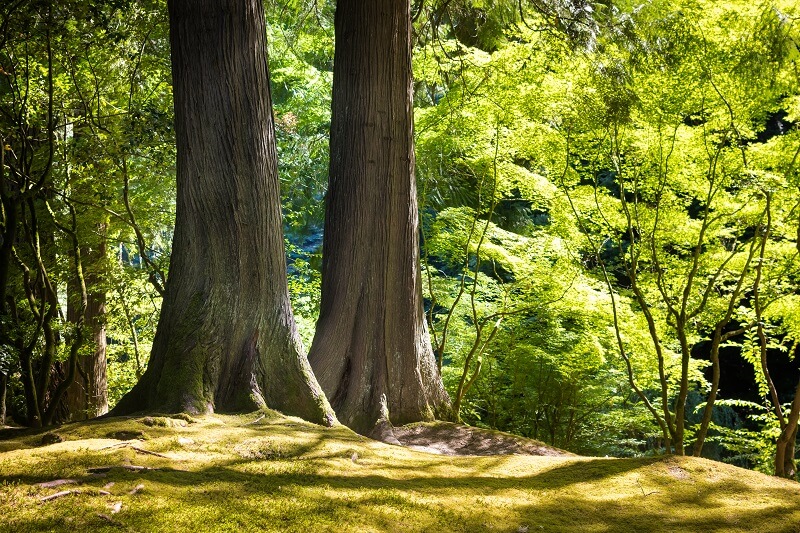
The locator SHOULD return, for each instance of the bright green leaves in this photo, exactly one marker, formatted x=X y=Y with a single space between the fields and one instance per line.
x=649 y=159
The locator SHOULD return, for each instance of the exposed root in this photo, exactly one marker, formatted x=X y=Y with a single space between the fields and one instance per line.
x=384 y=432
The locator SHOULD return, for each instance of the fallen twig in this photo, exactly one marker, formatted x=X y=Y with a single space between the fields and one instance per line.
x=117 y=445
x=58 y=495
x=105 y=469
x=55 y=483
x=136 y=489
x=110 y=520
x=642 y=489
x=256 y=421
x=148 y=452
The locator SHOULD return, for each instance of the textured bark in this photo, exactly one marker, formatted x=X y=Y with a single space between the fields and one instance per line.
x=3 y=392
x=87 y=397
x=371 y=351
x=785 y=465
x=226 y=338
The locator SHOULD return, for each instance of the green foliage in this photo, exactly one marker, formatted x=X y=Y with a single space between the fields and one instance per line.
x=300 y=38
x=87 y=135
x=594 y=182
x=751 y=447
x=650 y=159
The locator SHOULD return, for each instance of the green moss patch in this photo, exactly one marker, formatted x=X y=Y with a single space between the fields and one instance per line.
x=272 y=473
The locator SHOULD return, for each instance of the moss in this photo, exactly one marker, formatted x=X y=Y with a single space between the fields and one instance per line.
x=51 y=438
x=164 y=422
x=284 y=474
x=181 y=383
x=186 y=417
x=127 y=434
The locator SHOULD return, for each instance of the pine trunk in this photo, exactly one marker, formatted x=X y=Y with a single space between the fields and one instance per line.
x=371 y=350
x=226 y=338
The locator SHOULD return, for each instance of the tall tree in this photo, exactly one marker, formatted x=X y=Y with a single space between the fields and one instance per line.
x=226 y=337
x=371 y=350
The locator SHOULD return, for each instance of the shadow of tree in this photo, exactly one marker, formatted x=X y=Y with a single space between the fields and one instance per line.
x=310 y=480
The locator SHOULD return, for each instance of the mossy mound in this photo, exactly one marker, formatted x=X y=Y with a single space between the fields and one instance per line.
x=261 y=472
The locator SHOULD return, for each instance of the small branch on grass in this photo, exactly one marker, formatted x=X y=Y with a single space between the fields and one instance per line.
x=117 y=445
x=110 y=520
x=58 y=495
x=56 y=483
x=148 y=452
x=106 y=469
x=645 y=494
x=256 y=421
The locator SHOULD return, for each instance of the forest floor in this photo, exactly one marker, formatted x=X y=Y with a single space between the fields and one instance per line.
x=266 y=472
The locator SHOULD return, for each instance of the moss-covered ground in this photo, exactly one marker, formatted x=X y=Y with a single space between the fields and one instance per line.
x=262 y=472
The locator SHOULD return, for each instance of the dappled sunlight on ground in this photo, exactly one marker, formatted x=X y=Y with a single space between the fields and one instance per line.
x=245 y=473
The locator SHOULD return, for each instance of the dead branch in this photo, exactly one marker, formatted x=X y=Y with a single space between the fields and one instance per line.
x=148 y=452
x=58 y=495
x=56 y=483
x=106 y=469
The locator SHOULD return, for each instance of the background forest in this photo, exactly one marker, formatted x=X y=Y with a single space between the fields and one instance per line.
x=609 y=197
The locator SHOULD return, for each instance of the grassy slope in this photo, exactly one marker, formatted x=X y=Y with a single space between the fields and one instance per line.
x=224 y=473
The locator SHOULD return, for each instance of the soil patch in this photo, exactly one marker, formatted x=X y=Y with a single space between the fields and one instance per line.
x=446 y=438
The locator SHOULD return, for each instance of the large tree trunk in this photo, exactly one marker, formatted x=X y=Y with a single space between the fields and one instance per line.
x=371 y=349
x=226 y=338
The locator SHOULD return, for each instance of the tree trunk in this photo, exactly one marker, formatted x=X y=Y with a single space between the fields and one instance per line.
x=708 y=410
x=371 y=349
x=226 y=337
x=785 y=465
x=3 y=393
x=87 y=397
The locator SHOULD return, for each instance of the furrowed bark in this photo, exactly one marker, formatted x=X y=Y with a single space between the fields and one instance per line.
x=226 y=338
x=371 y=341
